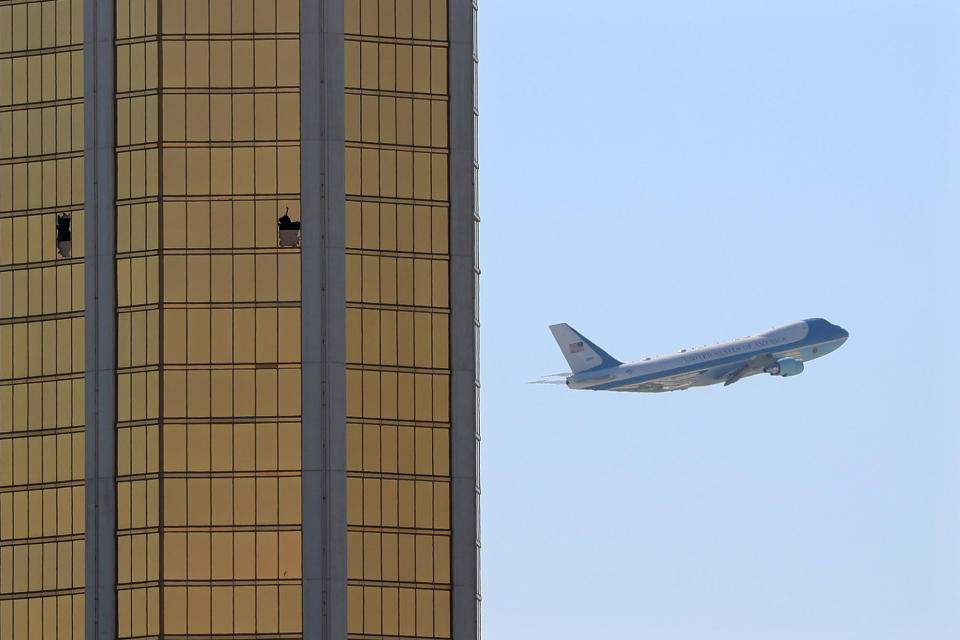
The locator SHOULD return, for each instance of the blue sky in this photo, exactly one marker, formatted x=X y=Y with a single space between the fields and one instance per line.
x=670 y=174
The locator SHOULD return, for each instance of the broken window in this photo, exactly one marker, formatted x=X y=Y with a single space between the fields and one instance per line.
x=64 y=235
x=288 y=230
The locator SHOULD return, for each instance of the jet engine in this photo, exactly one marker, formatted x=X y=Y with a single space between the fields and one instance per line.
x=785 y=367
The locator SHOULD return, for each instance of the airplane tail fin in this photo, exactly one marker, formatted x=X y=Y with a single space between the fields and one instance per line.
x=581 y=354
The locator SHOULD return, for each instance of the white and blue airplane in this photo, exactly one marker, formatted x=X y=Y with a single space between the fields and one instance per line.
x=781 y=351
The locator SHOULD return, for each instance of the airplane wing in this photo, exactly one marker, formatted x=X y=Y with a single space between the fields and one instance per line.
x=667 y=383
x=644 y=387
x=736 y=374
x=754 y=364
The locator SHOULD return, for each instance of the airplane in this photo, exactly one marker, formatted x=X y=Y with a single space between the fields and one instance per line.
x=781 y=351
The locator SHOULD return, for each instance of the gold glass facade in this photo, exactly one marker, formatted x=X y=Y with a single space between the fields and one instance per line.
x=398 y=314
x=208 y=319
x=208 y=461
x=41 y=321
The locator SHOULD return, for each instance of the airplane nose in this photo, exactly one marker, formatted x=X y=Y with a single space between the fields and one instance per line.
x=844 y=334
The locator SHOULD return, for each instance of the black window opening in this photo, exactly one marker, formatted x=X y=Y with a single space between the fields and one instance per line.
x=64 y=235
x=288 y=230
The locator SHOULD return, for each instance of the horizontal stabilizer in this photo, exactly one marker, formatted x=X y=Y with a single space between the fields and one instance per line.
x=547 y=378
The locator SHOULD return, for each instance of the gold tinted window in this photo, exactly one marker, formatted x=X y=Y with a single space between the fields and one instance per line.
x=42 y=510
x=398 y=313
x=208 y=432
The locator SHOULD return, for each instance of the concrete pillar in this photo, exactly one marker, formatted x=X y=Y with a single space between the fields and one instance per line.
x=464 y=438
x=100 y=321
x=323 y=331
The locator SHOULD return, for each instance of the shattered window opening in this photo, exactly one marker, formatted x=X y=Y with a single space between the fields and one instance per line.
x=288 y=230
x=64 y=235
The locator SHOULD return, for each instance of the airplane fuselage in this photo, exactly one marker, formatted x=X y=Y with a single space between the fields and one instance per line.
x=779 y=351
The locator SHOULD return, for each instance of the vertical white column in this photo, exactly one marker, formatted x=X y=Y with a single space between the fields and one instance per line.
x=464 y=323
x=323 y=317
x=100 y=320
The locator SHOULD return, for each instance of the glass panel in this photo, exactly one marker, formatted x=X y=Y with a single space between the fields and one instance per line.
x=41 y=354
x=396 y=147
x=209 y=383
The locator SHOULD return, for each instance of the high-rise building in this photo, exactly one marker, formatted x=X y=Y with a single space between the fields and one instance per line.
x=238 y=325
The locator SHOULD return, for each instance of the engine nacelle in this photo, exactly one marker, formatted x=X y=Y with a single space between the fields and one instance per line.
x=785 y=367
